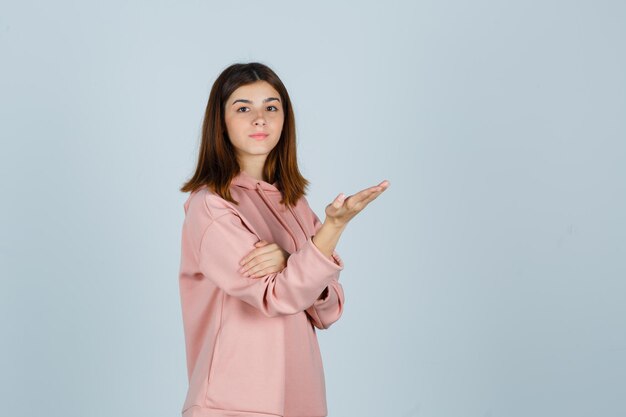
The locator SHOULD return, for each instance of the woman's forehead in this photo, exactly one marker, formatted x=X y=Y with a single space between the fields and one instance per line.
x=257 y=91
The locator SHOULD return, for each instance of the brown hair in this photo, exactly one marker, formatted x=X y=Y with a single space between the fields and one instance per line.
x=217 y=162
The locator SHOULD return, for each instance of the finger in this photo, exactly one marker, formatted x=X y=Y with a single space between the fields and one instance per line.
x=370 y=198
x=338 y=201
x=378 y=191
x=269 y=270
x=363 y=203
x=360 y=196
x=261 y=273
x=363 y=193
x=382 y=186
x=372 y=192
x=360 y=204
x=250 y=264
x=256 y=252
x=257 y=260
x=259 y=267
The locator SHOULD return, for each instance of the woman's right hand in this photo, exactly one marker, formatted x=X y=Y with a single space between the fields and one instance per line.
x=343 y=209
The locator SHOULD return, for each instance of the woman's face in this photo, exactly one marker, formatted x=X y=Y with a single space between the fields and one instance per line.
x=252 y=109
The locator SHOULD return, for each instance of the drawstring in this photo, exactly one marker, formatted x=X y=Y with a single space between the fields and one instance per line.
x=279 y=217
x=298 y=220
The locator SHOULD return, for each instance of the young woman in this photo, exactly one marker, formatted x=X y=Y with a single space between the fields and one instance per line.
x=259 y=271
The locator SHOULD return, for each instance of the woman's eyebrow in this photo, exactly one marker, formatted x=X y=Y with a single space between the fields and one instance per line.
x=243 y=100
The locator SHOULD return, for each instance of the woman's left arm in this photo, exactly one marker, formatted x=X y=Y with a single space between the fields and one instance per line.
x=328 y=307
x=325 y=310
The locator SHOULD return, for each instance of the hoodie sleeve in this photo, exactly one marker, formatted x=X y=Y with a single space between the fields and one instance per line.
x=327 y=310
x=226 y=241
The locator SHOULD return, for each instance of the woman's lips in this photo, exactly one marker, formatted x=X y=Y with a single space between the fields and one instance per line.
x=259 y=136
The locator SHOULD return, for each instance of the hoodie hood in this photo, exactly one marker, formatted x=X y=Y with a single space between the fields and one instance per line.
x=268 y=192
x=245 y=180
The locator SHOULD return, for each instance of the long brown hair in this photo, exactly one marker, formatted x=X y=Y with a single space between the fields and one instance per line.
x=217 y=161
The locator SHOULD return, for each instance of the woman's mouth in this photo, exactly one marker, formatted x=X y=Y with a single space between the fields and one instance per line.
x=259 y=136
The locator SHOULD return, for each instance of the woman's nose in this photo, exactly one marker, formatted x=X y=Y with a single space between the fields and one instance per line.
x=259 y=121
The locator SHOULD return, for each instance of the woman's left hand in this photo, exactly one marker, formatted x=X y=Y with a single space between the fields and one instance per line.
x=267 y=258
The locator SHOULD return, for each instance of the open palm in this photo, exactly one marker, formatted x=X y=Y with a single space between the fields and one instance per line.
x=343 y=209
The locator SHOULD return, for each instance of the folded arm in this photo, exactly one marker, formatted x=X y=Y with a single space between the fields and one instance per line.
x=226 y=241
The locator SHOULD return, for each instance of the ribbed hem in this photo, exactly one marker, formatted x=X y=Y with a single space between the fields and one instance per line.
x=197 y=411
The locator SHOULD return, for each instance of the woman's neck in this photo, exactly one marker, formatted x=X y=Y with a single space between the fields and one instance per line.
x=254 y=169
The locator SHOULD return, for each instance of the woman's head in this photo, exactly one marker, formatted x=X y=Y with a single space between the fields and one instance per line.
x=253 y=108
x=236 y=110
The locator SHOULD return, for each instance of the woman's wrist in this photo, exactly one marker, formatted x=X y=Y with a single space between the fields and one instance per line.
x=334 y=223
x=327 y=237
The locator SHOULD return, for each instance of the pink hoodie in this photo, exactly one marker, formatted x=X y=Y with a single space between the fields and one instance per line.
x=251 y=343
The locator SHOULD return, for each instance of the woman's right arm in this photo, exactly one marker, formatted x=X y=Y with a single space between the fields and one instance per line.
x=226 y=241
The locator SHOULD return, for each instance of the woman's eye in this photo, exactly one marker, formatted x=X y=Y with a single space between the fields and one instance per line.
x=239 y=110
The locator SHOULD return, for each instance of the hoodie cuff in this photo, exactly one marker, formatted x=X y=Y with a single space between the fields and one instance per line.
x=330 y=296
x=336 y=262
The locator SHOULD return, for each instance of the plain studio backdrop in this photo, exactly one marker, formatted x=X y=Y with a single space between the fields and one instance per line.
x=488 y=280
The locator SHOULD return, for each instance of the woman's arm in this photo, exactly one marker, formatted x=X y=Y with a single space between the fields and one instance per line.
x=328 y=307
x=226 y=241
